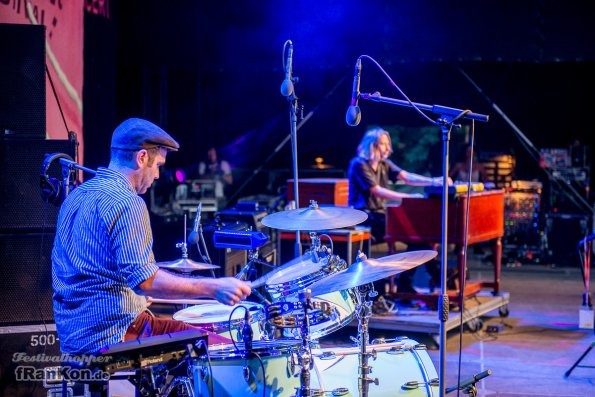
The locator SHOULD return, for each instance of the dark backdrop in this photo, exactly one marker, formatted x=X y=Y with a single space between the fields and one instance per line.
x=210 y=72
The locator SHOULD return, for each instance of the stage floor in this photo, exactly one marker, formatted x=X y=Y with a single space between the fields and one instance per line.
x=535 y=344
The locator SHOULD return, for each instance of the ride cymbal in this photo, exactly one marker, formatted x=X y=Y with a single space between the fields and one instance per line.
x=315 y=218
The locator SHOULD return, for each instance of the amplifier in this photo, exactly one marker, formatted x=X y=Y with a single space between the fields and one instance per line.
x=252 y=217
x=29 y=358
x=333 y=191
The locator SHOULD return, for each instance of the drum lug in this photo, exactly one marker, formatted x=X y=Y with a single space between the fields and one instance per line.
x=204 y=372
x=396 y=350
x=246 y=372
x=292 y=363
x=327 y=356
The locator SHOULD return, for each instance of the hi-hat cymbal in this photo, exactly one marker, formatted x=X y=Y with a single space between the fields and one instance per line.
x=315 y=218
x=186 y=265
x=370 y=270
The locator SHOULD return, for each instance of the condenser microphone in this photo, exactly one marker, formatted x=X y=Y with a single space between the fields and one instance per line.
x=194 y=237
x=354 y=115
x=287 y=85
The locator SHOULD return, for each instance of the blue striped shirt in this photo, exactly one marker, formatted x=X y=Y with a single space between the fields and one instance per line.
x=102 y=252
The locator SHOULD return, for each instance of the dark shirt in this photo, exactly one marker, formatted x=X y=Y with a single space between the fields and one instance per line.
x=362 y=178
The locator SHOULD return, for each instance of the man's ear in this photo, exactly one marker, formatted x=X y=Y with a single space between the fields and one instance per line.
x=142 y=158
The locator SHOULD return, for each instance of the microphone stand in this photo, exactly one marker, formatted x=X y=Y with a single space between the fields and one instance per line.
x=293 y=110
x=446 y=122
x=68 y=170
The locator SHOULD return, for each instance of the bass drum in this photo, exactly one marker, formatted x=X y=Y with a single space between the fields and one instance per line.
x=403 y=368
x=214 y=317
x=271 y=371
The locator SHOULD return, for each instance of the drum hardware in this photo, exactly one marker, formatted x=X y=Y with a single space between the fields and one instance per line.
x=244 y=274
x=414 y=384
x=315 y=218
x=224 y=320
x=305 y=354
x=378 y=341
x=299 y=273
x=360 y=276
x=336 y=367
x=185 y=264
x=382 y=307
x=285 y=282
x=197 y=237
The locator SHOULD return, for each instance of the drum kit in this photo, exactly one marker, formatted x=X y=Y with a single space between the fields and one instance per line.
x=275 y=349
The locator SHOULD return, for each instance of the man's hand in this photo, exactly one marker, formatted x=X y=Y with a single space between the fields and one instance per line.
x=230 y=290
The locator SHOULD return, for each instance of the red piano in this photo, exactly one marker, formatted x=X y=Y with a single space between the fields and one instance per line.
x=418 y=220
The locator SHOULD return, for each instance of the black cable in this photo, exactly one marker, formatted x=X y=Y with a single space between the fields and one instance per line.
x=399 y=89
x=211 y=384
x=229 y=324
x=462 y=277
x=47 y=71
x=264 y=373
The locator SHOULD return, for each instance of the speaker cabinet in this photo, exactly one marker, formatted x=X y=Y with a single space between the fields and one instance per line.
x=26 y=281
x=22 y=209
x=22 y=81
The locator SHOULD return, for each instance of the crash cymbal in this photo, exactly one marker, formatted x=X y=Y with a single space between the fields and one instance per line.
x=186 y=265
x=315 y=218
x=370 y=270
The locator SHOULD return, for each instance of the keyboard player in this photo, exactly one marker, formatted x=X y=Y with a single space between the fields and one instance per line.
x=369 y=174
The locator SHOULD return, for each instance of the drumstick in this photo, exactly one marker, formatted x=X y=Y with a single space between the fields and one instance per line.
x=259 y=282
x=181 y=301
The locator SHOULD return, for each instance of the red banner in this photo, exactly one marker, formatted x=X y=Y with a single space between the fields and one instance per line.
x=64 y=57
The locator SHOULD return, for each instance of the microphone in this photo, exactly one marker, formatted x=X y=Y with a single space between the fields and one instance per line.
x=194 y=237
x=469 y=382
x=287 y=85
x=354 y=115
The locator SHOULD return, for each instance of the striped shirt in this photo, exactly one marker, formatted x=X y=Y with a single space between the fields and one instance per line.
x=102 y=252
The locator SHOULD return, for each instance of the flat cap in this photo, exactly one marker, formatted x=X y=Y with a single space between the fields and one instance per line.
x=136 y=134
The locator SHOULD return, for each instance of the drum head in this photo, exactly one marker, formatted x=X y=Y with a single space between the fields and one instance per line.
x=216 y=313
x=296 y=269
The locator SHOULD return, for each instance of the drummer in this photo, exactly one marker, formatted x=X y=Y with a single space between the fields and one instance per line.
x=369 y=175
x=102 y=261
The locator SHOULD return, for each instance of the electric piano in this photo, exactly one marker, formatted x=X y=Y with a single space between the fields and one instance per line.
x=418 y=220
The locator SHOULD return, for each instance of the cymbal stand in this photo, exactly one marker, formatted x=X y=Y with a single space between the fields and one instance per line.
x=363 y=310
x=183 y=246
x=305 y=355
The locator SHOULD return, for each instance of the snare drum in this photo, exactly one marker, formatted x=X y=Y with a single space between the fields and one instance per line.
x=214 y=317
x=286 y=282
x=403 y=368
x=225 y=372
x=297 y=274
